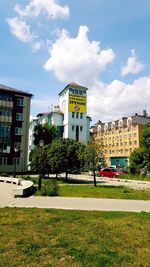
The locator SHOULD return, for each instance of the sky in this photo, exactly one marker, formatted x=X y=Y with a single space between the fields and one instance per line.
x=101 y=44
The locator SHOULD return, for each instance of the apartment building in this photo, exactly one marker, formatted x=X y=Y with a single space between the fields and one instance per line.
x=69 y=117
x=14 y=128
x=120 y=137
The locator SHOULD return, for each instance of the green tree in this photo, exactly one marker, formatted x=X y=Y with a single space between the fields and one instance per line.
x=136 y=160
x=56 y=154
x=64 y=156
x=145 y=142
x=45 y=132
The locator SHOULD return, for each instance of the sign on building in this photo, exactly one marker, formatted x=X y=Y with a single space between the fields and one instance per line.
x=77 y=103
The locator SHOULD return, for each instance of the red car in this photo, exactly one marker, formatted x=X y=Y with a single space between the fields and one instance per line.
x=109 y=172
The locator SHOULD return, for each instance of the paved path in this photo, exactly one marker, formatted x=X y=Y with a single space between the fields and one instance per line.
x=134 y=184
x=6 y=199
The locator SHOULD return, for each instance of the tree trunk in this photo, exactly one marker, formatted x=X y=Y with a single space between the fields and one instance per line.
x=66 y=176
x=94 y=176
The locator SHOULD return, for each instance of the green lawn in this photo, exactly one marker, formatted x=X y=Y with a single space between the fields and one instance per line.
x=58 y=238
x=102 y=192
x=135 y=177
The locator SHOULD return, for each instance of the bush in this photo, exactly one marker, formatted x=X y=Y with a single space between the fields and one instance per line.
x=50 y=188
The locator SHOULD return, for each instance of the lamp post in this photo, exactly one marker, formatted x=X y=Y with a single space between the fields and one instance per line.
x=41 y=143
x=15 y=163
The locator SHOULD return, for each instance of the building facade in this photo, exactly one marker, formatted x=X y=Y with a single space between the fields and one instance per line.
x=14 y=129
x=73 y=104
x=69 y=117
x=119 y=138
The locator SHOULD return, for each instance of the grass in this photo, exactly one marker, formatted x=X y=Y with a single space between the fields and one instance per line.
x=103 y=192
x=135 y=177
x=54 y=238
x=88 y=190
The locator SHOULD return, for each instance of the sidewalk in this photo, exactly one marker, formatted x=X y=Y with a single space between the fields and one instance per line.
x=7 y=200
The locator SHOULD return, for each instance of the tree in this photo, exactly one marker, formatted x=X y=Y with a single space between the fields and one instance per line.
x=64 y=156
x=56 y=154
x=136 y=160
x=45 y=132
x=145 y=142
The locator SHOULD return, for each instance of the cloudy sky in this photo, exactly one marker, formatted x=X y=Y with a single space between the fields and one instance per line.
x=101 y=44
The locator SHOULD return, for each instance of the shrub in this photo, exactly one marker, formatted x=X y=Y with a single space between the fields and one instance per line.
x=50 y=188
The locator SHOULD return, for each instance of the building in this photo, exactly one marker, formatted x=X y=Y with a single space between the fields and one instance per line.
x=73 y=104
x=70 y=116
x=14 y=127
x=119 y=138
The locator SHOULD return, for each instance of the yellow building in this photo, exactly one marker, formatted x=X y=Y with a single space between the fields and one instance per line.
x=119 y=138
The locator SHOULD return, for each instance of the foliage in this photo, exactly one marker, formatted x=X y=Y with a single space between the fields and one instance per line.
x=56 y=154
x=140 y=158
x=136 y=160
x=39 y=160
x=64 y=155
x=145 y=142
x=93 y=157
x=50 y=188
x=45 y=132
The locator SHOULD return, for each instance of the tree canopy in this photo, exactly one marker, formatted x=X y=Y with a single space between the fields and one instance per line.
x=45 y=132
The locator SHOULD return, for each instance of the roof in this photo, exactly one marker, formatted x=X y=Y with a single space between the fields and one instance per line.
x=13 y=90
x=75 y=85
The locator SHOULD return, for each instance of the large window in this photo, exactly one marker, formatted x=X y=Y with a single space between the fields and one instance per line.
x=5 y=144
x=5 y=130
x=4 y=97
x=19 y=116
x=5 y=112
x=3 y=161
x=81 y=115
x=20 y=102
x=18 y=131
x=73 y=115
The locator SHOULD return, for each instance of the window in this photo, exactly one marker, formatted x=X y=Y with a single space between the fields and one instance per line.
x=80 y=92
x=20 y=102
x=3 y=161
x=73 y=115
x=71 y=90
x=18 y=131
x=72 y=127
x=16 y=161
x=17 y=145
x=19 y=116
x=5 y=130
x=81 y=115
x=76 y=91
x=134 y=134
x=81 y=128
x=5 y=112
x=77 y=115
x=5 y=97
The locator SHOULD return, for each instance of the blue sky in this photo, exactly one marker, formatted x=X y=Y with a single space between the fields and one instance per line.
x=101 y=44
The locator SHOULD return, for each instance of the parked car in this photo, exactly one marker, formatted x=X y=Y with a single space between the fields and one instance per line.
x=109 y=172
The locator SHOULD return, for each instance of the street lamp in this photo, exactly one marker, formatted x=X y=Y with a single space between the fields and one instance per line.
x=15 y=163
x=41 y=143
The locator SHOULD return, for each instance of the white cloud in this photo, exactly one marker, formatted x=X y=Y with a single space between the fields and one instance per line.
x=107 y=102
x=20 y=29
x=77 y=59
x=48 y=7
x=132 y=65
